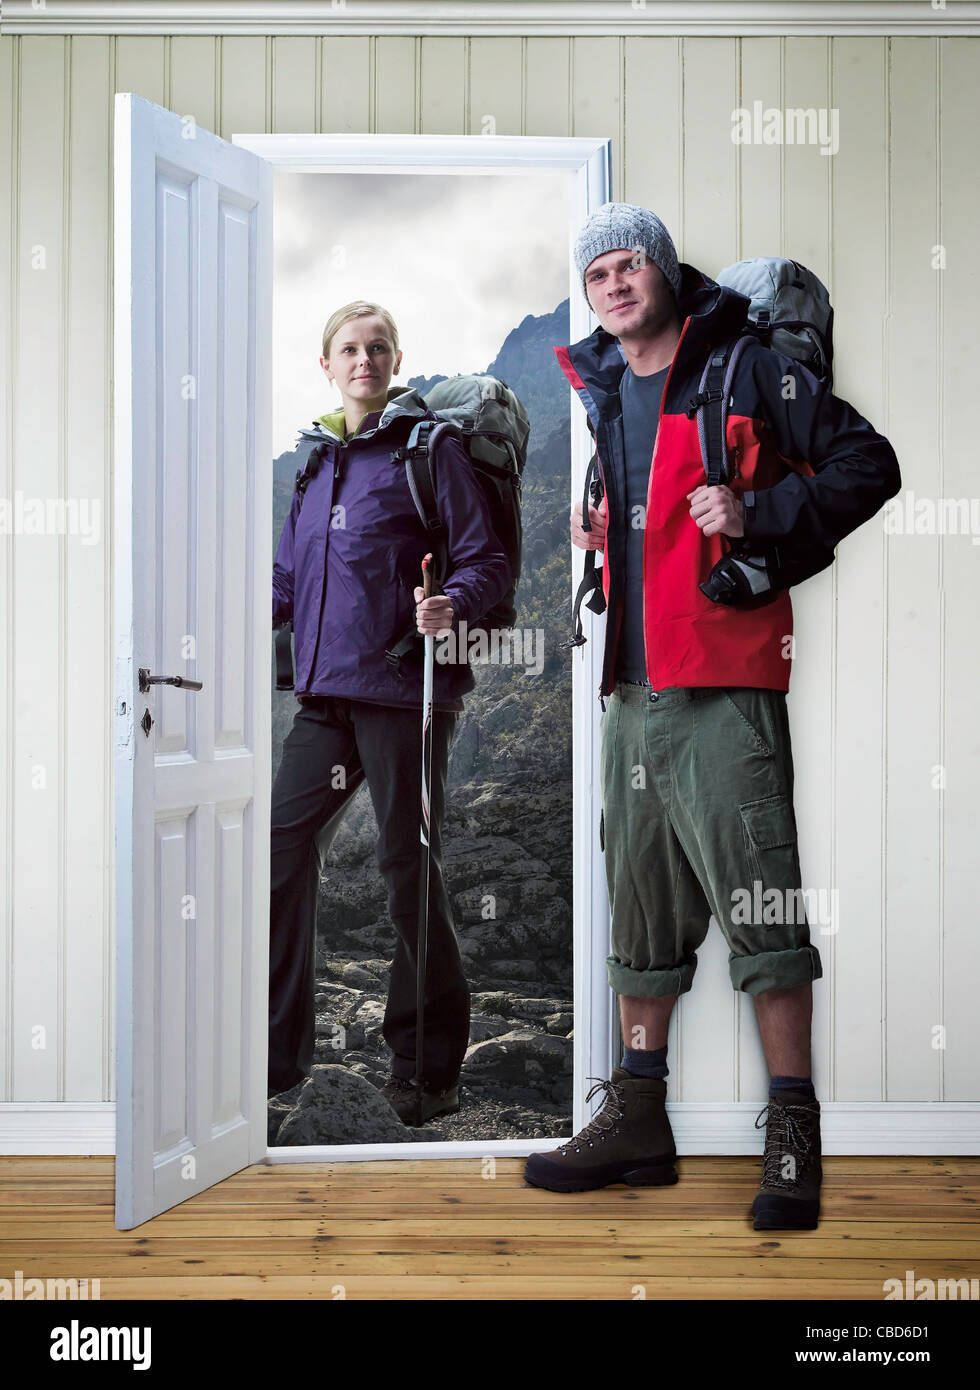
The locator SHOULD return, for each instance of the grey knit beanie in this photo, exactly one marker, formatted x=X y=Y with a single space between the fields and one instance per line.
x=622 y=226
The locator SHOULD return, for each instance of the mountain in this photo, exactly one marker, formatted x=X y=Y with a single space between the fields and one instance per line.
x=527 y=363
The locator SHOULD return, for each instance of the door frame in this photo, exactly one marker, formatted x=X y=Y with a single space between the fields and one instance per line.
x=588 y=164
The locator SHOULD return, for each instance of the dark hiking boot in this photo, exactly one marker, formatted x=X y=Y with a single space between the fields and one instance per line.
x=629 y=1140
x=789 y=1197
x=403 y=1097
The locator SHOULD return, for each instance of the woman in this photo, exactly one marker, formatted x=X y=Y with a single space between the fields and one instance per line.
x=348 y=573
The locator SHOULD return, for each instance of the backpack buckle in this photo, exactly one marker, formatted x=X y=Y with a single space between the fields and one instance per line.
x=702 y=398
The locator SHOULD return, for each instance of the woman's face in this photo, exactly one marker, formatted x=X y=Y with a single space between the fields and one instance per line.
x=362 y=360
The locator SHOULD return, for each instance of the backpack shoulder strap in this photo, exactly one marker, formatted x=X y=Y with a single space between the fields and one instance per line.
x=416 y=455
x=710 y=407
x=308 y=472
x=591 y=581
x=283 y=639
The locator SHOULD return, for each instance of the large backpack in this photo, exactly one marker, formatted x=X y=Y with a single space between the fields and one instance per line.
x=493 y=427
x=790 y=312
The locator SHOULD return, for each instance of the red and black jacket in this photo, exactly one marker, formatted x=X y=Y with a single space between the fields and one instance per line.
x=808 y=467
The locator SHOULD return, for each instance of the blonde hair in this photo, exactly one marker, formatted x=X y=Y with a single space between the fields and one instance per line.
x=356 y=309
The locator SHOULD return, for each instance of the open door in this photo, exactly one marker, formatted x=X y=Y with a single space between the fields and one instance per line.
x=193 y=556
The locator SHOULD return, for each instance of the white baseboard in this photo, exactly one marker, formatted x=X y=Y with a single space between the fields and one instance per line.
x=58 y=1127
x=700 y=1127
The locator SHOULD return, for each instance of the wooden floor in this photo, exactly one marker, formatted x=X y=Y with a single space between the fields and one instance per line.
x=439 y=1229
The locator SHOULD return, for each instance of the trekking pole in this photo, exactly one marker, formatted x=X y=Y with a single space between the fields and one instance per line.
x=423 y=926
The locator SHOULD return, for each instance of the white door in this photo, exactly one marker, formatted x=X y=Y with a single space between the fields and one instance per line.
x=193 y=556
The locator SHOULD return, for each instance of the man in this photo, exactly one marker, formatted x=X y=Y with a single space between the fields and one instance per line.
x=695 y=762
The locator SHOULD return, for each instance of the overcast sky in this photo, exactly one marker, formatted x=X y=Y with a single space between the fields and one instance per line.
x=457 y=259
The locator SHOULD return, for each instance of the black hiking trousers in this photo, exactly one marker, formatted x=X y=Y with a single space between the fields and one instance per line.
x=384 y=745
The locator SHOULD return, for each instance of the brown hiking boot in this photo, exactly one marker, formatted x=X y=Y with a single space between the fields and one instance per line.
x=629 y=1140
x=403 y=1097
x=789 y=1196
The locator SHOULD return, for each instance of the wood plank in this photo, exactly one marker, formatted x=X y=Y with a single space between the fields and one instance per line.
x=441 y=1287
x=246 y=1183
x=717 y=1229
x=546 y=1267
x=635 y=1243
x=918 y=1165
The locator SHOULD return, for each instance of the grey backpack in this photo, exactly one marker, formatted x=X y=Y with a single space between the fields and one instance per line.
x=790 y=312
x=492 y=425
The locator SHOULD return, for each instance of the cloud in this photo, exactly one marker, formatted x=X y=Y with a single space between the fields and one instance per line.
x=457 y=259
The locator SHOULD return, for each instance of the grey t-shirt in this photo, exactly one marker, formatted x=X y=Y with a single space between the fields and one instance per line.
x=640 y=398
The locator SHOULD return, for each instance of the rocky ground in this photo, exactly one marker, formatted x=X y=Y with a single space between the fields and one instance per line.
x=507 y=860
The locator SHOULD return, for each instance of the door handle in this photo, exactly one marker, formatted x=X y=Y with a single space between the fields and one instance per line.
x=146 y=680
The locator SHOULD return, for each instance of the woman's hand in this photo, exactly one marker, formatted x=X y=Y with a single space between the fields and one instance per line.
x=433 y=615
x=589 y=540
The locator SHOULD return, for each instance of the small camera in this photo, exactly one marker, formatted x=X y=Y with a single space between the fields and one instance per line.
x=741 y=580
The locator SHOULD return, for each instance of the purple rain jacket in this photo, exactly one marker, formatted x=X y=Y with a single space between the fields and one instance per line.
x=348 y=563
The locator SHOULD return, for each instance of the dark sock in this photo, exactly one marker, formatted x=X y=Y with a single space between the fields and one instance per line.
x=639 y=1062
x=778 y=1084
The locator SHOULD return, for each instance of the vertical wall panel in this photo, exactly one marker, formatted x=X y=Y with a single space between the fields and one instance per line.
x=597 y=98
x=244 y=70
x=443 y=86
x=913 y=1003
x=10 y=176
x=395 y=97
x=193 y=79
x=141 y=67
x=89 y=942
x=547 y=64
x=495 y=86
x=37 y=642
x=859 y=289
x=959 y=173
x=347 y=100
x=654 y=141
x=294 y=85
x=760 y=166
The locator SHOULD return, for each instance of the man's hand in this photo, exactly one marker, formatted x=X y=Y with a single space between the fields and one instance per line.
x=589 y=540
x=717 y=509
x=433 y=615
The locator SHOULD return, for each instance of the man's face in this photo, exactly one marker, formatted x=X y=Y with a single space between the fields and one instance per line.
x=362 y=358
x=630 y=295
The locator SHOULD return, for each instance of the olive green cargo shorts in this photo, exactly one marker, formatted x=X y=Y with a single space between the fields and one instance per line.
x=697 y=819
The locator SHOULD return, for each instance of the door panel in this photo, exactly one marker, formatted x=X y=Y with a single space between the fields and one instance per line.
x=193 y=554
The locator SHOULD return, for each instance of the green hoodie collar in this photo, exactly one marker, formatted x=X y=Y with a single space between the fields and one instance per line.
x=335 y=421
